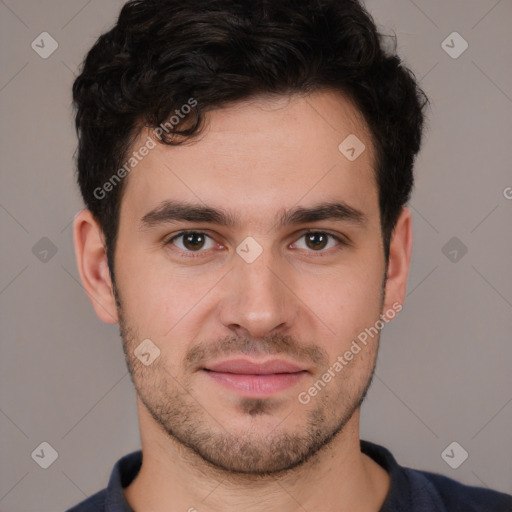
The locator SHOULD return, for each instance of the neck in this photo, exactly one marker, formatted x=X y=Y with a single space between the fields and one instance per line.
x=338 y=478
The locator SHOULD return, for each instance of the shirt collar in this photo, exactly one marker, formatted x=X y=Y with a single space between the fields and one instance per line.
x=124 y=471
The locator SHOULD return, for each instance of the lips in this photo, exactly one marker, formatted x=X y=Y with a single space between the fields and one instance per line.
x=255 y=379
x=246 y=367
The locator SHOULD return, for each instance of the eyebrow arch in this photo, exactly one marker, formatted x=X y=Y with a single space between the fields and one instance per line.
x=176 y=211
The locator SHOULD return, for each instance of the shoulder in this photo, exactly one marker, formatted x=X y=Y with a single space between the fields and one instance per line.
x=414 y=490
x=94 y=503
x=456 y=496
x=112 y=497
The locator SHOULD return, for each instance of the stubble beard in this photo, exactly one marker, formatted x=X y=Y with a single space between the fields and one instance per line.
x=251 y=452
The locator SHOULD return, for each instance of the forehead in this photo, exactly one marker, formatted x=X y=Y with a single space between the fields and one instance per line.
x=266 y=153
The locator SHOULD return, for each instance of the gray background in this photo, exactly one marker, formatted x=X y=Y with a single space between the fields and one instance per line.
x=444 y=367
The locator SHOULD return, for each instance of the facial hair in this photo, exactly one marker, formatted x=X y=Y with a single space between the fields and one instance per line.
x=175 y=408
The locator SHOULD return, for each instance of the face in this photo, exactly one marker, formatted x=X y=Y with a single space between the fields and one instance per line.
x=252 y=259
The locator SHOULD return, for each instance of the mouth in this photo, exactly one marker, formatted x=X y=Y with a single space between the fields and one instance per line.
x=255 y=379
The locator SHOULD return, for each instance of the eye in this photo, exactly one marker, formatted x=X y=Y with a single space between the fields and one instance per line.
x=192 y=241
x=318 y=241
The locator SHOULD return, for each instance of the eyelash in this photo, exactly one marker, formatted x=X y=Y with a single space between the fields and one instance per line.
x=199 y=253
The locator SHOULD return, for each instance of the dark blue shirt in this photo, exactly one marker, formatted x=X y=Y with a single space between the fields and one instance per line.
x=410 y=490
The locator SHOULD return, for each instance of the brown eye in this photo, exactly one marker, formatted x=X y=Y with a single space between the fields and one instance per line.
x=192 y=241
x=316 y=240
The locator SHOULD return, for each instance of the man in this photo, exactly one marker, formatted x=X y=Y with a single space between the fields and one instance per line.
x=245 y=167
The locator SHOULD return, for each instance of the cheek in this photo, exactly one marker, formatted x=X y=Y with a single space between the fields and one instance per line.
x=146 y=296
x=347 y=300
x=160 y=300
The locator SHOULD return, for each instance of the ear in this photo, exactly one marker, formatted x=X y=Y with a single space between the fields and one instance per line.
x=399 y=260
x=92 y=264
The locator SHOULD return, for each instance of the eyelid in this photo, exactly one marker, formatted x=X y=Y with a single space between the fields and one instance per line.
x=342 y=240
x=183 y=232
x=191 y=254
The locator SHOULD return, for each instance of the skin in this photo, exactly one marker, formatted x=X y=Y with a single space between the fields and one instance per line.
x=205 y=446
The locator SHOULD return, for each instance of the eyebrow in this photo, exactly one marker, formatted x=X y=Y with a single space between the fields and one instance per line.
x=175 y=211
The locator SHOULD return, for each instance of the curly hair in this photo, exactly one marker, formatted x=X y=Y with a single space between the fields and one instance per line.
x=161 y=53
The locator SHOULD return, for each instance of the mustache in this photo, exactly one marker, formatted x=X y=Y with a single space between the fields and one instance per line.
x=275 y=344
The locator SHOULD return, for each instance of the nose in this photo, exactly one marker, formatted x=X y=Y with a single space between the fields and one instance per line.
x=258 y=298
